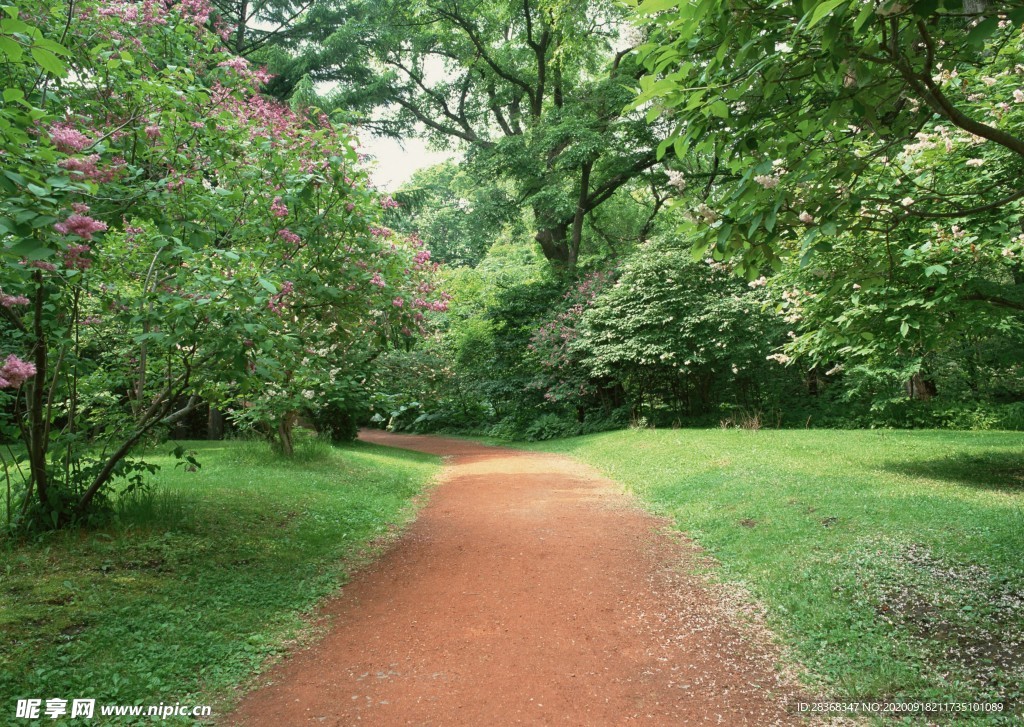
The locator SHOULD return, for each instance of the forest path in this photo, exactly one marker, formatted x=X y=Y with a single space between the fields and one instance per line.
x=530 y=590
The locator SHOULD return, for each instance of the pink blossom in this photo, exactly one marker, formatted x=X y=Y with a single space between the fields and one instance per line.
x=74 y=257
x=237 y=63
x=276 y=302
x=398 y=302
x=378 y=280
x=152 y=131
x=81 y=225
x=42 y=265
x=14 y=372
x=68 y=139
x=388 y=203
x=289 y=236
x=79 y=207
x=278 y=208
x=8 y=301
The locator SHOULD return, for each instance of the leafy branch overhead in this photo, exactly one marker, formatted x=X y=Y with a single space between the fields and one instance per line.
x=881 y=144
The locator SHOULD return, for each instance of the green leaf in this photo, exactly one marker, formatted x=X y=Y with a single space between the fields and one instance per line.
x=11 y=48
x=48 y=61
x=904 y=329
x=821 y=11
x=52 y=46
x=720 y=109
x=980 y=33
x=935 y=270
x=864 y=16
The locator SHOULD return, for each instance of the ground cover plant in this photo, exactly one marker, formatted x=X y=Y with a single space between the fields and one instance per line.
x=199 y=581
x=890 y=560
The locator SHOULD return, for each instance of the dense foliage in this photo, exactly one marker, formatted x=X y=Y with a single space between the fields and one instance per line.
x=171 y=236
x=880 y=145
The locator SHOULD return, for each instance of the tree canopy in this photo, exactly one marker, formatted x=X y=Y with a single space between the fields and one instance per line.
x=533 y=90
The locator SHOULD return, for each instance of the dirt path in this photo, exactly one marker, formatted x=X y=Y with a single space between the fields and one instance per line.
x=529 y=591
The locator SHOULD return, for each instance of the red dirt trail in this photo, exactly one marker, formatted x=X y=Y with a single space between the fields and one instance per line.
x=532 y=591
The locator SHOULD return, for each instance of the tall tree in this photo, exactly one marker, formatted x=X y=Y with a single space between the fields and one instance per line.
x=534 y=89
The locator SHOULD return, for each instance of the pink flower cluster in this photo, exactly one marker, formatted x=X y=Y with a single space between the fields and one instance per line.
x=289 y=236
x=276 y=303
x=81 y=225
x=88 y=167
x=378 y=281
x=387 y=202
x=68 y=139
x=74 y=257
x=278 y=208
x=237 y=63
x=8 y=301
x=15 y=372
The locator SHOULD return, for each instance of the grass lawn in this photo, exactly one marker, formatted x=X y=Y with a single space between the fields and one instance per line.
x=892 y=561
x=194 y=587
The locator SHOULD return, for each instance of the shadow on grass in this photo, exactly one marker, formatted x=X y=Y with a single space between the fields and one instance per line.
x=1003 y=471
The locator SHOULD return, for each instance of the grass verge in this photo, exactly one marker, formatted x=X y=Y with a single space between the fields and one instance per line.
x=199 y=582
x=890 y=560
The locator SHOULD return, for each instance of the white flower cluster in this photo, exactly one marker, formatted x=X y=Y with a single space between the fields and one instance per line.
x=676 y=179
x=703 y=213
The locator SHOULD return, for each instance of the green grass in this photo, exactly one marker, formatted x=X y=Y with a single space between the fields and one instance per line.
x=198 y=584
x=892 y=561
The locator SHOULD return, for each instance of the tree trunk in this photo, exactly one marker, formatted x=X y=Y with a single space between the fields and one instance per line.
x=37 y=440
x=554 y=241
x=284 y=433
x=920 y=388
x=214 y=424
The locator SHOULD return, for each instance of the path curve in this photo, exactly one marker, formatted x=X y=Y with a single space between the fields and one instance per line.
x=530 y=590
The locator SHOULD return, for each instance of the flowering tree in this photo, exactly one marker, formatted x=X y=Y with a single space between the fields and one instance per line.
x=167 y=235
x=881 y=144
x=677 y=333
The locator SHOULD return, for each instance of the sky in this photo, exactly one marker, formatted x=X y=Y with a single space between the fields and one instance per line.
x=394 y=161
